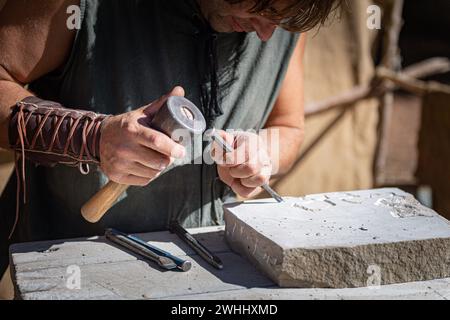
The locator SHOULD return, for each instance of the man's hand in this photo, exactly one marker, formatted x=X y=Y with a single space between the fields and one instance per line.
x=248 y=167
x=131 y=152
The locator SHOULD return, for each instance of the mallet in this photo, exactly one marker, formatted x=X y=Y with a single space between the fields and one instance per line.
x=177 y=113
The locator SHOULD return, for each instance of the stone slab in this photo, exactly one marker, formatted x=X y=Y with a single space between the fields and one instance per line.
x=342 y=240
x=141 y=280
x=39 y=271
x=427 y=290
x=52 y=254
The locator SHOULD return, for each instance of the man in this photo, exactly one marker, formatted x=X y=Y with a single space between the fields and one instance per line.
x=240 y=61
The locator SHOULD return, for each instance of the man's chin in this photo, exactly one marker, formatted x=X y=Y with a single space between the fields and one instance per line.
x=222 y=29
x=220 y=25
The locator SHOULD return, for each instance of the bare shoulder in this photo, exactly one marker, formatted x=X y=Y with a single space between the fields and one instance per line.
x=34 y=37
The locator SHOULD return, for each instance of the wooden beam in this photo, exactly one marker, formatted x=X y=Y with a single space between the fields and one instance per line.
x=422 y=69
x=411 y=84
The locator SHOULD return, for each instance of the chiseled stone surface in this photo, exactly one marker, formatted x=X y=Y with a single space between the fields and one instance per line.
x=342 y=240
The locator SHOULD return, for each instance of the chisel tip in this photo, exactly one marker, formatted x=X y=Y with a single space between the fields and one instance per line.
x=273 y=194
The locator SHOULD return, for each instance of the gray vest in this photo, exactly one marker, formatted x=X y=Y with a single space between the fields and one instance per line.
x=127 y=54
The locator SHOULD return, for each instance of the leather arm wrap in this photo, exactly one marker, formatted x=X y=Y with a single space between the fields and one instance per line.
x=47 y=134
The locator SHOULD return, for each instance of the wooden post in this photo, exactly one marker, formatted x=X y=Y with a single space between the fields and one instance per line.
x=391 y=61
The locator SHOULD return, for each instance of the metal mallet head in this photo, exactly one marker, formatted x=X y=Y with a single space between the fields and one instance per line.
x=179 y=113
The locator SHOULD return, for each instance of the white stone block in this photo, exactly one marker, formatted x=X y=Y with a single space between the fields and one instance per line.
x=342 y=240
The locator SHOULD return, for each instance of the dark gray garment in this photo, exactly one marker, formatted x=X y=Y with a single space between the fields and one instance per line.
x=127 y=54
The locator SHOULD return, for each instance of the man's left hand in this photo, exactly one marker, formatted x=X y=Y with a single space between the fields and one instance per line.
x=248 y=167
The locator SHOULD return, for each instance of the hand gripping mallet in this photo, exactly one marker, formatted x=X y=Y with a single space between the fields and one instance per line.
x=177 y=113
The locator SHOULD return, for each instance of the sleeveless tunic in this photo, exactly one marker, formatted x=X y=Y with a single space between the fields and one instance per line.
x=126 y=55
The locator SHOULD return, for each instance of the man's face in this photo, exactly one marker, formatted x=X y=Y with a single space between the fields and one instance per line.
x=226 y=17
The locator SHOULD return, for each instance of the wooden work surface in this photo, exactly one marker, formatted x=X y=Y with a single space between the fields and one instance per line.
x=41 y=270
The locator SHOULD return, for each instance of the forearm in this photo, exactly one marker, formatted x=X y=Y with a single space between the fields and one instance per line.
x=287 y=121
x=283 y=145
x=10 y=94
x=46 y=132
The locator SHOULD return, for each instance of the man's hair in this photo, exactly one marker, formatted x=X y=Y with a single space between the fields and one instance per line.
x=299 y=16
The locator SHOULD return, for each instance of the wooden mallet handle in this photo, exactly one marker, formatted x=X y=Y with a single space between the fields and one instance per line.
x=102 y=201
x=177 y=113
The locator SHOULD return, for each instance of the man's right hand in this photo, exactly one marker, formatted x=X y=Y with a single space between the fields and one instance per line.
x=131 y=152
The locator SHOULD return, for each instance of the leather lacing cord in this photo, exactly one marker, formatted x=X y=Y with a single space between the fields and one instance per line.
x=91 y=127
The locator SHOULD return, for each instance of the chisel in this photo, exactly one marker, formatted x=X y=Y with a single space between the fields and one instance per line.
x=163 y=258
x=227 y=148
x=213 y=260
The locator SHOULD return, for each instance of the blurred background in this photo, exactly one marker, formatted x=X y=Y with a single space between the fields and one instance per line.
x=377 y=106
x=358 y=139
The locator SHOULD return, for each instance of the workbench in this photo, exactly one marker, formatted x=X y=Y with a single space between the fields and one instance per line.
x=46 y=270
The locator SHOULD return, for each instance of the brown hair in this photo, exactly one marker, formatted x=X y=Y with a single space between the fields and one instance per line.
x=299 y=16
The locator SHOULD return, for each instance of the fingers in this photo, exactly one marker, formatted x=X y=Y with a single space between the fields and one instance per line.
x=156 y=140
x=152 y=108
x=244 y=191
x=218 y=152
x=245 y=170
x=139 y=170
x=177 y=91
x=237 y=185
x=247 y=167
x=160 y=142
x=152 y=159
x=132 y=180
x=228 y=137
x=133 y=153
x=229 y=159
x=252 y=175
x=133 y=173
x=255 y=181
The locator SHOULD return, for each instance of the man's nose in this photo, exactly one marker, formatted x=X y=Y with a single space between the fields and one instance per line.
x=264 y=29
